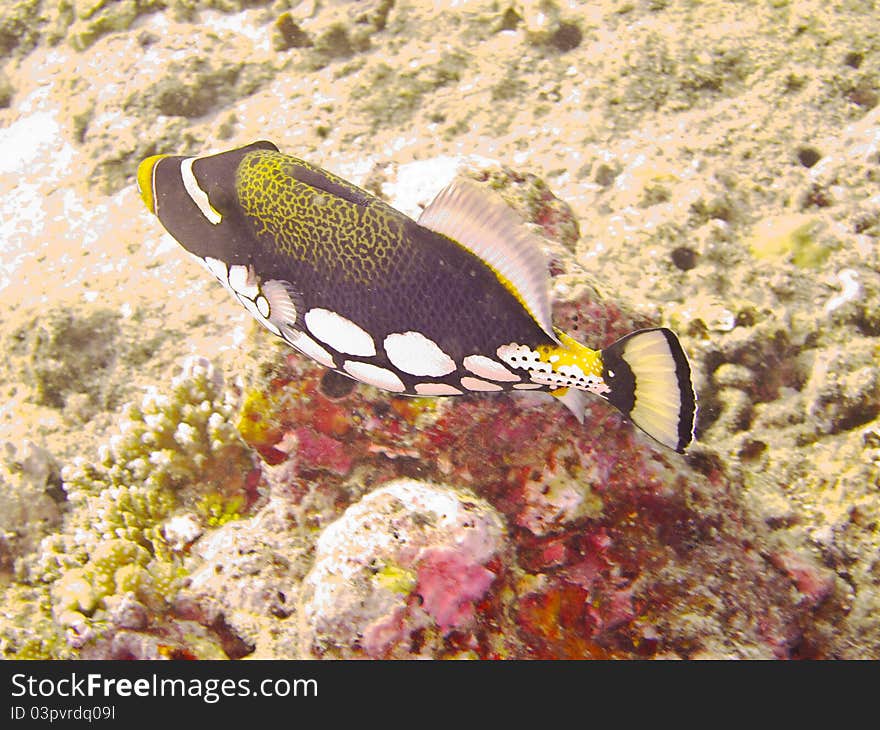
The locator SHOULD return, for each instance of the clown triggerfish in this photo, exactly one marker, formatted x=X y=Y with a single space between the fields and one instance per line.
x=455 y=303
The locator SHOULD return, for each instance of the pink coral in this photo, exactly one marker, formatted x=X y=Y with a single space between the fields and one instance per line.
x=814 y=582
x=449 y=582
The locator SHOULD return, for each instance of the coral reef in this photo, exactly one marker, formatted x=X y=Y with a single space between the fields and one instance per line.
x=244 y=580
x=120 y=553
x=30 y=497
x=400 y=570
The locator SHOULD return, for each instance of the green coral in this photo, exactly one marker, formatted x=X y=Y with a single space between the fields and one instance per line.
x=173 y=451
x=116 y=567
x=218 y=509
x=396 y=579
x=27 y=629
x=792 y=236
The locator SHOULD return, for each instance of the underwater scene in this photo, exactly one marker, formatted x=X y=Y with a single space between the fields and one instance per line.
x=477 y=329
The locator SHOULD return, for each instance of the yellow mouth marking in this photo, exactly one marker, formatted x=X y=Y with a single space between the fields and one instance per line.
x=145 y=181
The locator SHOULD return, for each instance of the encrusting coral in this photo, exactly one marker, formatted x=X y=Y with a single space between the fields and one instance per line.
x=29 y=501
x=411 y=559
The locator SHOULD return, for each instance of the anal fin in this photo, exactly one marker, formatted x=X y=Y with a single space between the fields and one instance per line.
x=573 y=399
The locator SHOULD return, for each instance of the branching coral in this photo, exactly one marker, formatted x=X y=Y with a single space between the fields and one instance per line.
x=172 y=452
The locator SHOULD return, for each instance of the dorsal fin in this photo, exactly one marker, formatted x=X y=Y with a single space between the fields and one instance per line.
x=487 y=227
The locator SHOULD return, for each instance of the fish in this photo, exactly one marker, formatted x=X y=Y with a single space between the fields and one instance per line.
x=453 y=303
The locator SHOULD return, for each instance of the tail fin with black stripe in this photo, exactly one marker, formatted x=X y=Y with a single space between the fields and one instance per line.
x=650 y=382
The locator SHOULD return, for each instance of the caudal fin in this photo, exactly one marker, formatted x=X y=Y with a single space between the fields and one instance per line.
x=650 y=382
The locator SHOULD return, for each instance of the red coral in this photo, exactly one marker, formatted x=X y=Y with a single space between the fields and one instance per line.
x=329 y=418
x=317 y=451
x=608 y=585
x=555 y=622
x=554 y=552
x=617 y=609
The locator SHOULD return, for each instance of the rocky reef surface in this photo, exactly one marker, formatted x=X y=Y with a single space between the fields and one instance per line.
x=176 y=484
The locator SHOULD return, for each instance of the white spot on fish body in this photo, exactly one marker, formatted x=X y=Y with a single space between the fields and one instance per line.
x=436 y=389
x=340 y=333
x=572 y=371
x=479 y=385
x=217 y=268
x=528 y=386
x=415 y=354
x=307 y=346
x=262 y=305
x=486 y=367
x=243 y=280
x=374 y=375
x=251 y=307
x=519 y=356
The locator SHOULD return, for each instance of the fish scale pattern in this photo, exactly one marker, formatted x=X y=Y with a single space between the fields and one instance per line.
x=354 y=242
